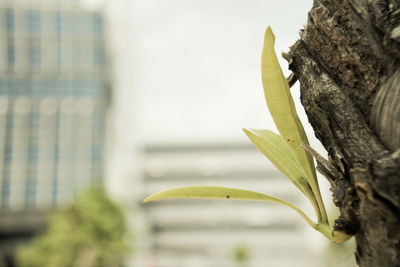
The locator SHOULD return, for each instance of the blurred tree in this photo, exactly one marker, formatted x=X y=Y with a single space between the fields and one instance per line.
x=241 y=255
x=92 y=232
x=348 y=65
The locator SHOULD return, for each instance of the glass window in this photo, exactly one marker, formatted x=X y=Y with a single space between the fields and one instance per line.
x=75 y=22
x=8 y=153
x=57 y=152
x=20 y=87
x=98 y=122
x=85 y=24
x=34 y=24
x=5 y=193
x=61 y=87
x=37 y=87
x=30 y=192
x=33 y=153
x=49 y=55
x=10 y=20
x=3 y=87
x=66 y=56
x=98 y=55
x=3 y=113
x=3 y=53
x=69 y=87
x=55 y=190
x=97 y=24
x=48 y=87
x=58 y=22
x=95 y=88
x=65 y=22
x=97 y=154
x=34 y=121
x=49 y=22
x=79 y=88
x=35 y=54
x=11 y=54
x=59 y=56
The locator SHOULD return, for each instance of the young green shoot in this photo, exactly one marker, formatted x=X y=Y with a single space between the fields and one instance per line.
x=284 y=151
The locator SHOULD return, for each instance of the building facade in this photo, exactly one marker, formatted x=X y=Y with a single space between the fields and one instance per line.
x=218 y=233
x=54 y=95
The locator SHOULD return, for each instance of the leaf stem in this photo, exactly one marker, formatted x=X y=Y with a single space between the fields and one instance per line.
x=323 y=215
x=333 y=235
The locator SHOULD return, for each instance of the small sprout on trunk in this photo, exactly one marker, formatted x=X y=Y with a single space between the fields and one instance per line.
x=285 y=150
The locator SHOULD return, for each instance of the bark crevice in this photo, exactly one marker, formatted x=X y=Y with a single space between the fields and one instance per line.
x=348 y=65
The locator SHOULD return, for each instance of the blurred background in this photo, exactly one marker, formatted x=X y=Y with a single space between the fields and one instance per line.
x=134 y=97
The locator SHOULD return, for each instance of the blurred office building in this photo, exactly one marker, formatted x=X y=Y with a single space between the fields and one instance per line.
x=54 y=96
x=221 y=233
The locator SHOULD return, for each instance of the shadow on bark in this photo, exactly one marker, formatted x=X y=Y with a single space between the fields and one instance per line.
x=348 y=63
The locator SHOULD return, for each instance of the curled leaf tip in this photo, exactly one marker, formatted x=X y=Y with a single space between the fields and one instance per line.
x=248 y=131
x=147 y=199
x=269 y=36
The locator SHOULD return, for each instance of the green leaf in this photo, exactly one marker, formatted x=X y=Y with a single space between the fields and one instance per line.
x=217 y=192
x=278 y=152
x=281 y=106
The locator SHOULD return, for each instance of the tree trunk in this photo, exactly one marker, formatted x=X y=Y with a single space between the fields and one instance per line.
x=348 y=65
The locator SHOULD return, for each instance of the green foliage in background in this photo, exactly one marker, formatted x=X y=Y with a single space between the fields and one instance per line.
x=241 y=255
x=92 y=232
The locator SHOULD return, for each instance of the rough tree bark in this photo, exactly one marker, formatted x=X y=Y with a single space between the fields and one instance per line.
x=348 y=65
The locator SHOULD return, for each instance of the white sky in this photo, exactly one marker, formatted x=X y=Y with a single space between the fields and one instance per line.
x=192 y=67
x=189 y=71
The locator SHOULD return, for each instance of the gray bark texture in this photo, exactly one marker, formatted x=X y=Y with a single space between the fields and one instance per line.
x=348 y=63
